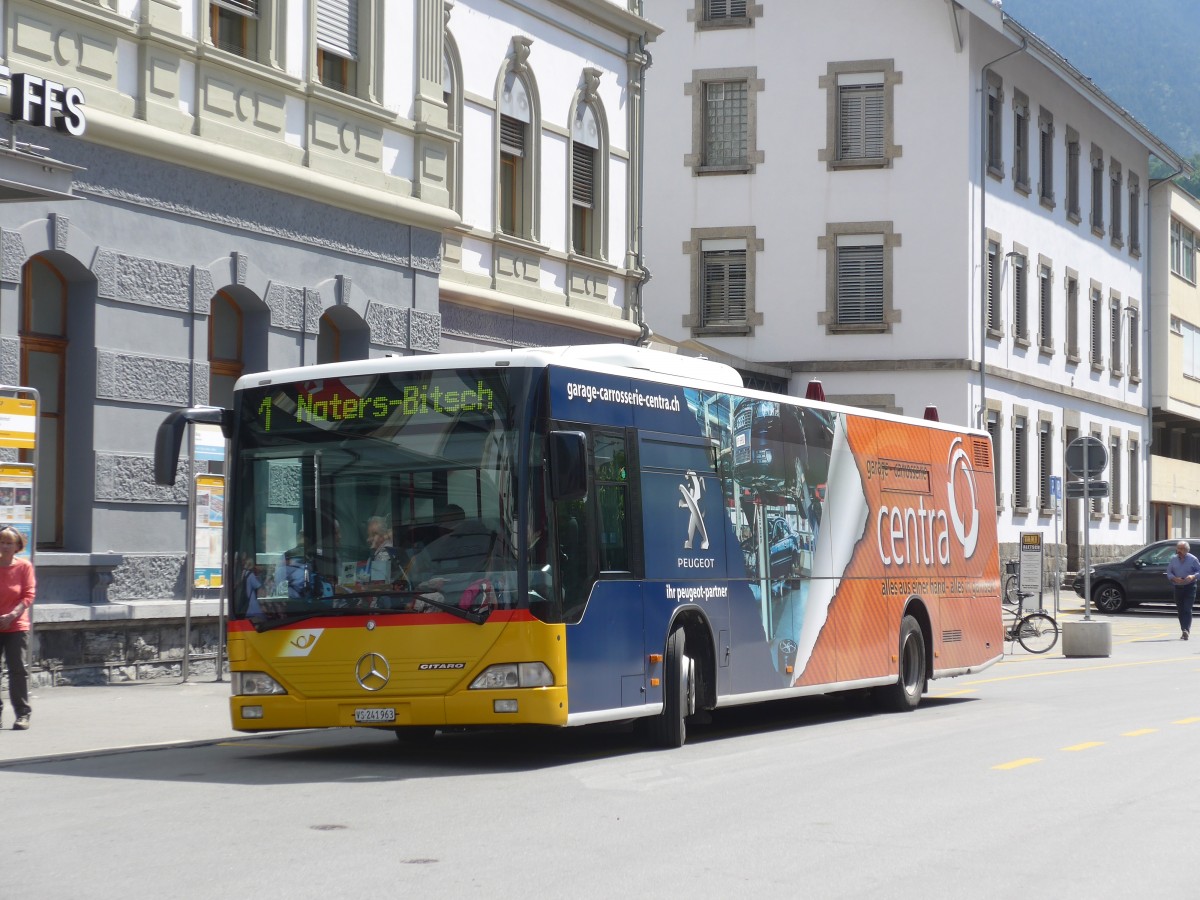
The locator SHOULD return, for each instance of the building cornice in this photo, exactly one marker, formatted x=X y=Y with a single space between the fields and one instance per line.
x=496 y=301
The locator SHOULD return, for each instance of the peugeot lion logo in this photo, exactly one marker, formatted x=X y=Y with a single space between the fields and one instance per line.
x=691 y=502
x=372 y=672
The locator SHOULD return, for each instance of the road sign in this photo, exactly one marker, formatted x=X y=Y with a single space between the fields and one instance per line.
x=1056 y=487
x=1096 y=490
x=1086 y=457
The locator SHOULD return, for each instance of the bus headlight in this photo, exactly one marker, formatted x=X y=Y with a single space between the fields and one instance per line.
x=251 y=683
x=513 y=675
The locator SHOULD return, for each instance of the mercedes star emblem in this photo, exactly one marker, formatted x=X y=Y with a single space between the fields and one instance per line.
x=372 y=672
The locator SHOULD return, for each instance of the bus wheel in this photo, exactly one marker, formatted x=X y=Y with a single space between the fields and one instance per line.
x=669 y=728
x=905 y=693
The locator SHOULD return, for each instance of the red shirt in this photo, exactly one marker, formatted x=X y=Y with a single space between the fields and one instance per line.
x=17 y=585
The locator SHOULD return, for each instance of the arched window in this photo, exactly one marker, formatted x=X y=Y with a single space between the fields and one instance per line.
x=44 y=367
x=342 y=335
x=452 y=96
x=225 y=341
x=518 y=140
x=588 y=175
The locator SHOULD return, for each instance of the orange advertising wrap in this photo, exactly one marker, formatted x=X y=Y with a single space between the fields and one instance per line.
x=910 y=514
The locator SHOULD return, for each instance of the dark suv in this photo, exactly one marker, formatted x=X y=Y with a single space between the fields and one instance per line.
x=1142 y=578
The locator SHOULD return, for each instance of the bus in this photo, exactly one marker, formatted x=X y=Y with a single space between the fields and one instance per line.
x=580 y=535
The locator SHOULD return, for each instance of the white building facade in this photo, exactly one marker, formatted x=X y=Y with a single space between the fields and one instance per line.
x=846 y=204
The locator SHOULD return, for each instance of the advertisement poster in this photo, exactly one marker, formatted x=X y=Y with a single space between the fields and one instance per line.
x=18 y=419
x=16 y=501
x=210 y=529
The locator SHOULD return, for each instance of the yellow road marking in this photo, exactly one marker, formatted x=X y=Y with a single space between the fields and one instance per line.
x=956 y=693
x=1070 y=671
x=1190 y=721
x=1087 y=745
x=1017 y=763
x=1139 y=732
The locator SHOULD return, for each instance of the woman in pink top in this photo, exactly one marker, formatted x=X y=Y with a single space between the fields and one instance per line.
x=17 y=589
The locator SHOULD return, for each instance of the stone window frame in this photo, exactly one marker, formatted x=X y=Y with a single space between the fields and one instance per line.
x=828 y=243
x=516 y=64
x=1116 y=450
x=828 y=82
x=1074 y=150
x=693 y=320
x=994 y=129
x=698 y=16
x=1096 y=325
x=994 y=301
x=1096 y=216
x=1134 y=186
x=455 y=112
x=1019 y=261
x=270 y=38
x=1116 y=343
x=1133 y=448
x=695 y=90
x=1116 y=191
x=1019 y=425
x=993 y=417
x=365 y=69
x=586 y=96
x=1045 y=428
x=1071 y=303
x=1134 y=347
x=1020 y=168
x=1046 y=158
x=1045 y=305
x=1096 y=513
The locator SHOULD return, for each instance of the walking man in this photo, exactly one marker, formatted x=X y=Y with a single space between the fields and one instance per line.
x=1183 y=570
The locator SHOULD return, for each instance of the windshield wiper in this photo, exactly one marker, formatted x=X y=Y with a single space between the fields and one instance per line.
x=477 y=614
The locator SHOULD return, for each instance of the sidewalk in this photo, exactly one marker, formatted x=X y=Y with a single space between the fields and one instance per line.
x=78 y=721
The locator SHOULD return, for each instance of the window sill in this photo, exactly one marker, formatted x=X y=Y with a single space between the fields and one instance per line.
x=1135 y=251
x=1098 y=230
x=865 y=162
x=1135 y=517
x=1098 y=367
x=1020 y=510
x=859 y=328
x=996 y=172
x=1023 y=188
x=1073 y=217
x=996 y=334
x=1073 y=357
x=1045 y=350
x=1135 y=379
x=1118 y=242
x=738 y=169
x=1045 y=513
x=718 y=330
x=1047 y=202
x=1021 y=341
x=731 y=22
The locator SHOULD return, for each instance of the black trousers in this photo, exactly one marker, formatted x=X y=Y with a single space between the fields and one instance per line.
x=13 y=645
x=1185 y=598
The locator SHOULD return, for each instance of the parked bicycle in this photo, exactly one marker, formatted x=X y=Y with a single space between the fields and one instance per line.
x=1036 y=631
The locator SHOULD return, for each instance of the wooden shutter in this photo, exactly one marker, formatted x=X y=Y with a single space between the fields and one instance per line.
x=724 y=287
x=337 y=27
x=583 y=175
x=860 y=284
x=512 y=136
x=861 y=121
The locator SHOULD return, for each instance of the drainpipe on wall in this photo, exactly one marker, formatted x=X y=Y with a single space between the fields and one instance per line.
x=643 y=272
x=983 y=161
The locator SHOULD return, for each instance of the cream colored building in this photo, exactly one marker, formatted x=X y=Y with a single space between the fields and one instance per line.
x=1174 y=367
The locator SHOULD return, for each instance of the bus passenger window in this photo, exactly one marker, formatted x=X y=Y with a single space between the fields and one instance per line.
x=611 y=496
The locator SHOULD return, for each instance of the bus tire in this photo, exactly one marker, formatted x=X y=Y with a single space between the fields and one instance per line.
x=669 y=728
x=905 y=694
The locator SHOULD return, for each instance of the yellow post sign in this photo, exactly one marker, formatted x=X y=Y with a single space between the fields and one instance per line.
x=18 y=422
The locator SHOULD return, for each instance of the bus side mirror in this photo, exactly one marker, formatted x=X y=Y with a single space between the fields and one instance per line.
x=568 y=465
x=170 y=437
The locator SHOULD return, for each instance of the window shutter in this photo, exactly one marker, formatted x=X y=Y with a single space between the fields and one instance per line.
x=725 y=287
x=583 y=175
x=860 y=285
x=512 y=136
x=725 y=9
x=241 y=7
x=337 y=27
x=861 y=123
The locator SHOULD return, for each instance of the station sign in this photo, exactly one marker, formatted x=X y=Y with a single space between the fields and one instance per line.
x=43 y=103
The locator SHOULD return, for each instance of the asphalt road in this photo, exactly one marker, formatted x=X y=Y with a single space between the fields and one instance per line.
x=1042 y=775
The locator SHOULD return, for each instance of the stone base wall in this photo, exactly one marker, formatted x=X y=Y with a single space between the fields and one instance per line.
x=93 y=653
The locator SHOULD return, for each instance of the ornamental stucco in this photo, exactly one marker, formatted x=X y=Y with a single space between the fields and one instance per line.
x=146 y=379
x=123 y=478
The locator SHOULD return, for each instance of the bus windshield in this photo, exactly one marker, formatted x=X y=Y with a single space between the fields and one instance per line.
x=388 y=493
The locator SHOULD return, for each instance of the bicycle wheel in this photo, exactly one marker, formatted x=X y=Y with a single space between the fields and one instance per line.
x=1037 y=632
x=1010 y=590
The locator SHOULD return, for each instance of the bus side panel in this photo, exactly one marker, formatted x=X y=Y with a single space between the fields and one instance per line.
x=928 y=532
x=606 y=650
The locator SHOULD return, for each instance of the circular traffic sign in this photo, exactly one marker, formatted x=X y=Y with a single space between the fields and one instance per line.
x=1086 y=457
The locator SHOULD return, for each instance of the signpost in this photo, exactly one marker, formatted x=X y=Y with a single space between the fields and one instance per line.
x=1085 y=458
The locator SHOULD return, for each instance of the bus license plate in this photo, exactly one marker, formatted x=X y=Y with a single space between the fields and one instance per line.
x=375 y=714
